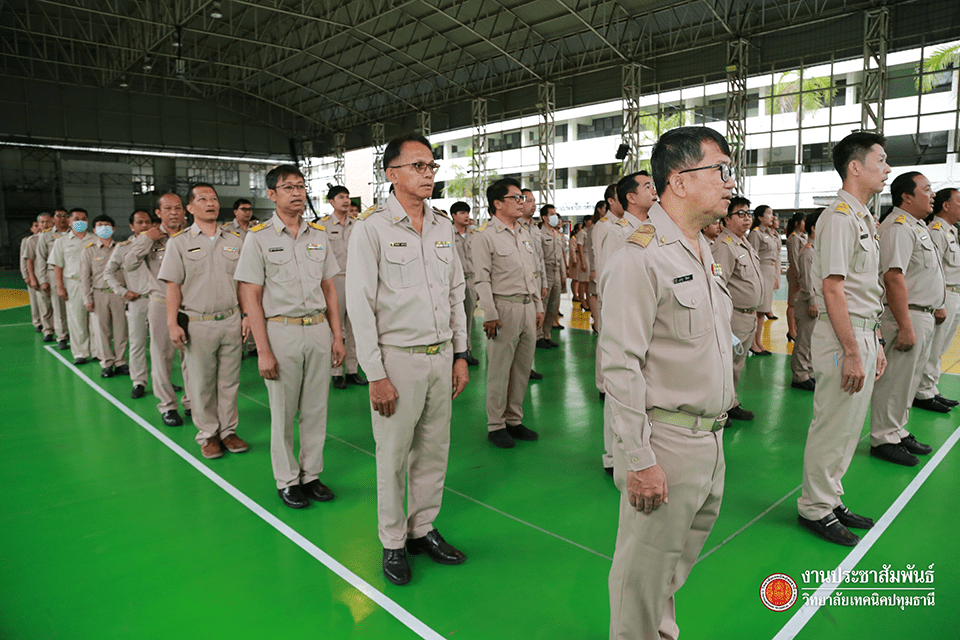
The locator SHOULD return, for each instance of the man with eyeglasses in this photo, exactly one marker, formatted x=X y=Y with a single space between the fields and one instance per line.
x=506 y=263
x=44 y=273
x=288 y=296
x=740 y=266
x=339 y=225
x=405 y=292
x=668 y=375
x=242 y=218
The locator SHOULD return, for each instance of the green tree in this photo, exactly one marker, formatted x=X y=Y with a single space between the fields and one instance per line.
x=652 y=126
x=940 y=60
x=461 y=186
x=789 y=95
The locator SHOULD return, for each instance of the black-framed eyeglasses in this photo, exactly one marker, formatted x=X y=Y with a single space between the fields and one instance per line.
x=520 y=198
x=745 y=213
x=419 y=167
x=726 y=171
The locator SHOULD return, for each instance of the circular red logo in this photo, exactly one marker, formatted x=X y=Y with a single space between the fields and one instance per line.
x=778 y=592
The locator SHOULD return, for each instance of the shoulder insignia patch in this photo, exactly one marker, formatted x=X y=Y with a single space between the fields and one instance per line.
x=181 y=232
x=603 y=219
x=901 y=219
x=936 y=225
x=483 y=226
x=843 y=207
x=728 y=240
x=47 y=230
x=224 y=225
x=368 y=212
x=643 y=235
x=262 y=225
x=318 y=227
x=236 y=233
x=622 y=222
x=441 y=212
x=90 y=245
x=325 y=218
x=124 y=243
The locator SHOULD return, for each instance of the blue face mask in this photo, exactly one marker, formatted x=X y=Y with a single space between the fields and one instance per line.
x=79 y=226
x=553 y=220
x=104 y=231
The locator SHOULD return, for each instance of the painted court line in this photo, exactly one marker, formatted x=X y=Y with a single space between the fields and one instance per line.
x=803 y=615
x=465 y=496
x=398 y=612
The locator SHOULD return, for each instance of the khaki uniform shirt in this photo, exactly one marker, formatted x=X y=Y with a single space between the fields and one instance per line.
x=404 y=289
x=587 y=241
x=536 y=239
x=600 y=231
x=204 y=268
x=505 y=263
x=846 y=246
x=767 y=246
x=805 y=276
x=117 y=279
x=905 y=244
x=234 y=226
x=465 y=252
x=23 y=257
x=338 y=235
x=93 y=260
x=42 y=267
x=794 y=243
x=741 y=269
x=144 y=252
x=289 y=269
x=552 y=244
x=666 y=338
x=944 y=237
x=28 y=251
x=66 y=253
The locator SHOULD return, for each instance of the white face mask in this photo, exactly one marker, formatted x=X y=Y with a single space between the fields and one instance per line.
x=104 y=231
x=79 y=226
x=553 y=220
x=737 y=345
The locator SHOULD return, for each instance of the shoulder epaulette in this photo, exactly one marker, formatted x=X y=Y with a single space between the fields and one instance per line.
x=236 y=233
x=441 y=212
x=90 y=245
x=622 y=222
x=901 y=219
x=483 y=226
x=124 y=243
x=368 y=212
x=224 y=225
x=47 y=230
x=182 y=231
x=603 y=219
x=842 y=207
x=728 y=240
x=262 y=225
x=643 y=235
x=936 y=225
x=325 y=218
x=318 y=227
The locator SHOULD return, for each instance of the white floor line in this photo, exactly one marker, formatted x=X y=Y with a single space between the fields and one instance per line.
x=803 y=615
x=465 y=496
x=16 y=324
x=398 y=612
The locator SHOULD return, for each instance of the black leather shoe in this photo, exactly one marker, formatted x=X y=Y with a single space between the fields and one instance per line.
x=608 y=471
x=317 y=491
x=739 y=413
x=603 y=396
x=849 y=519
x=535 y=376
x=553 y=345
x=471 y=361
x=63 y=345
x=79 y=361
x=293 y=497
x=339 y=382
x=177 y=388
x=357 y=379
x=930 y=404
x=830 y=528
x=439 y=550
x=520 y=432
x=137 y=392
x=770 y=316
x=48 y=338
x=916 y=448
x=543 y=343
x=107 y=372
x=558 y=327
x=806 y=385
x=395 y=566
x=895 y=453
x=947 y=402
x=188 y=413
x=122 y=370
x=172 y=418
x=501 y=438
x=728 y=423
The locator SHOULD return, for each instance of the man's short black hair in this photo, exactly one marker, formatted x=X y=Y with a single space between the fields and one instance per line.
x=280 y=172
x=498 y=191
x=903 y=184
x=459 y=206
x=104 y=218
x=610 y=193
x=682 y=148
x=811 y=220
x=133 y=216
x=545 y=210
x=78 y=209
x=240 y=202
x=337 y=190
x=199 y=185
x=735 y=202
x=392 y=150
x=941 y=199
x=855 y=146
x=628 y=184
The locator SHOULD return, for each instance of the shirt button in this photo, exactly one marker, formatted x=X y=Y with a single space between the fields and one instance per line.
x=633 y=459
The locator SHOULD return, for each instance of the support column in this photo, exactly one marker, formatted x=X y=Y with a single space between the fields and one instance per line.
x=630 y=135
x=478 y=159
x=872 y=99
x=547 y=135
x=339 y=163
x=737 y=64
x=379 y=175
x=425 y=124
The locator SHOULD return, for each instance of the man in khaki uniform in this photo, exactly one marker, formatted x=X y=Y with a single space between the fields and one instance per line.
x=460 y=213
x=405 y=294
x=339 y=226
x=552 y=245
x=44 y=306
x=100 y=300
x=34 y=305
x=286 y=289
x=846 y=361
x=148 y=250
x=740 y=268
x=943 y=230
x=668 y=375
x=198 y=271
x=45 y=275
x=65 y=259
x=805 y=311
x=242 y=218
x=600 y=231
x=505 y=264
x=129 y=285
x=915 y=298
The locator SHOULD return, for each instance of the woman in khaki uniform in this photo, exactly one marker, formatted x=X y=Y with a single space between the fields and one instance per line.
x=796 y=238
x=766 y=242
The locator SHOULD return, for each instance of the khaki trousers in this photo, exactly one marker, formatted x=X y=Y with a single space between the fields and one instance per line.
x=111 y=327
x=60 y=325
x=509 y=361
x=303 y=356
x=413 y=444
x=744 y=326
x=469 y=308
x=78 y=320
x=897 y=387
x=551 y=308
x=837 y=419
x=655 y=552
x=350 y=362
x=137 y=312
x=34 y=307
x=800 y=363
x=46 y=312
x=213 y=356
x=161 y=360
x=943 y=334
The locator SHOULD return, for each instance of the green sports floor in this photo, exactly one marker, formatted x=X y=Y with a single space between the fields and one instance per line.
x=114 y=526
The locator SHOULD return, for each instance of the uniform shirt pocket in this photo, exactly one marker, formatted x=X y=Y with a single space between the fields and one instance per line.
x=691 y=316
x=401 y=265
x=315 y=258
x=861 y=255
x=281 y=266
x=445 y=263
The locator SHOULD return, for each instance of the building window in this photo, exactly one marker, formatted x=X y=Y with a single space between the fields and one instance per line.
x=817 y=157
x=143 y=178
x=258 y=181
x=925 y=148
x=599 y=175
x=601 y=127
x=213 y=172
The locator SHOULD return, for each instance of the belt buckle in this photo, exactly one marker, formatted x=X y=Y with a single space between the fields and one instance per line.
x=307 y=321
x=218 y=316
x=433 y=349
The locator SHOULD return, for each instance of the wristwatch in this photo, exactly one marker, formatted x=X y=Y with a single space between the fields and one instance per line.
x=461 y=355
